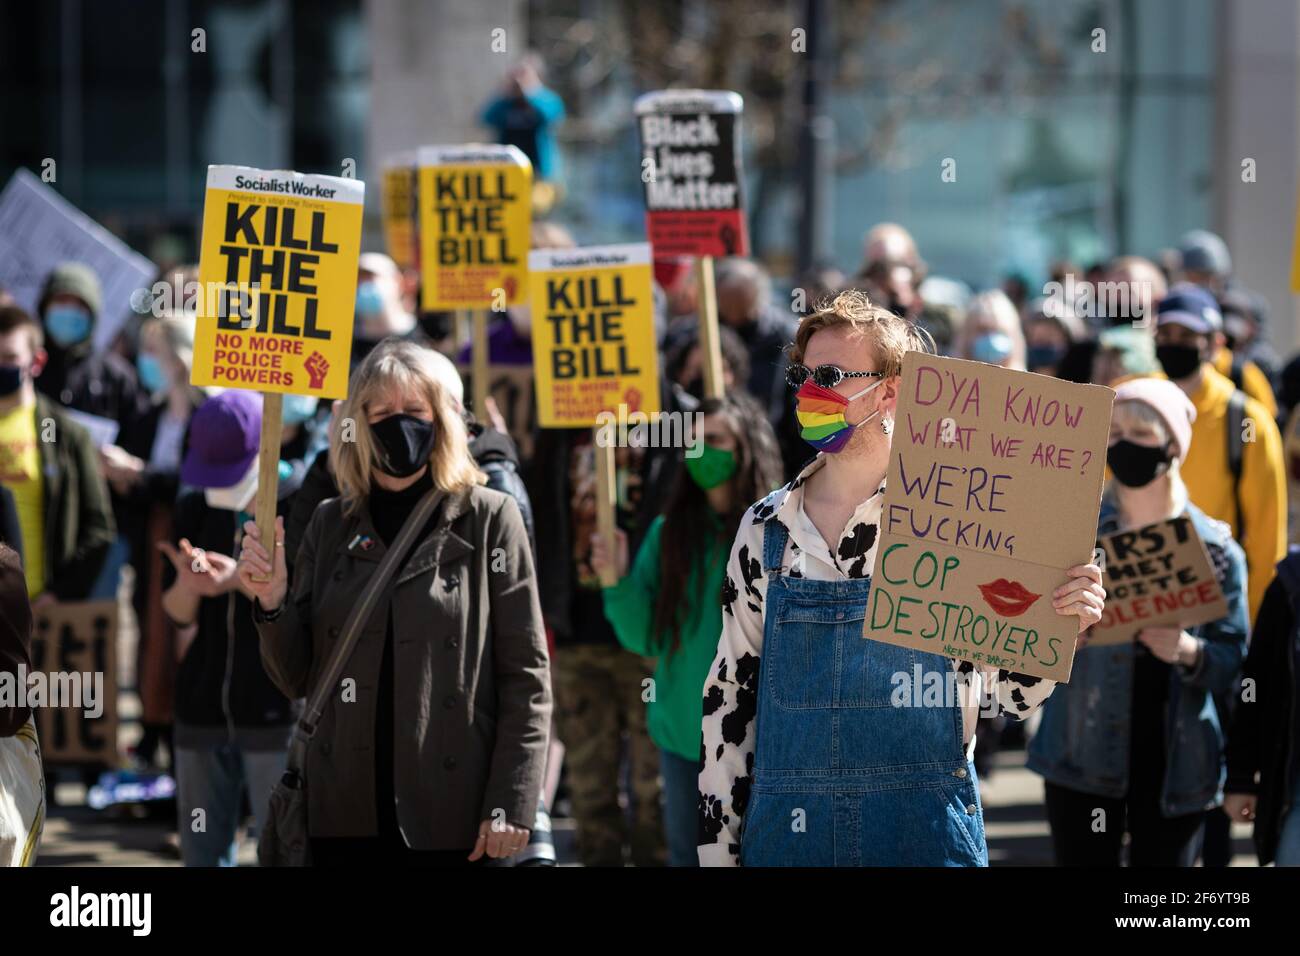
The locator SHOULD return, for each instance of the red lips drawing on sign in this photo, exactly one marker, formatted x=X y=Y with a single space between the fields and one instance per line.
x=1008 y=598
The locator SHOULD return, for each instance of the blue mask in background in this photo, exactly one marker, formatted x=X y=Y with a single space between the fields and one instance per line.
x=67 y=325
x=150 y=370
x=370 y=301
x=992 y=347
x=299 y=408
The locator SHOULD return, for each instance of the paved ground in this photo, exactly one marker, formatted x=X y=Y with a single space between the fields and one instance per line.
x=78 y=836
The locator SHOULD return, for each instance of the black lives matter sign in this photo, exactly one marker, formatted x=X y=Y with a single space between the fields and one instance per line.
x=691 y=173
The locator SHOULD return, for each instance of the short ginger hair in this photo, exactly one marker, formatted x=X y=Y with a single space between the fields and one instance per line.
x=890 y=336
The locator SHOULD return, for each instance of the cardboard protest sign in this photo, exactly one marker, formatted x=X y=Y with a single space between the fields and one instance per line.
x=74 y=666
x=1156 y=576
x=281 y=248
x=40 y=229
x=475 y=221
x=593 y=333
x=397 y=193
x=691 y=171
x=511 y=387
x=993 y=491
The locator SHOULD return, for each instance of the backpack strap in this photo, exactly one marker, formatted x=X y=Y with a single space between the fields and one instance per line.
x=1236 y=449
x=1237 y=371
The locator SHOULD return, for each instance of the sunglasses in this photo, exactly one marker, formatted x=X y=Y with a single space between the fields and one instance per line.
x=827 y=376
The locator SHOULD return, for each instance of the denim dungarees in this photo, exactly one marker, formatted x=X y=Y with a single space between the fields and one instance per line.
x=841 y=776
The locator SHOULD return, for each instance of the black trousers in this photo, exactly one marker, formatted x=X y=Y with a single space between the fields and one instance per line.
x=1081 y=836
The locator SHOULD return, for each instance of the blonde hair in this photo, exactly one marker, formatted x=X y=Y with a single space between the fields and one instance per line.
x=1133 y=412
x=398 y=366
x=177 y=332
x=889 y=335
x=992 y=304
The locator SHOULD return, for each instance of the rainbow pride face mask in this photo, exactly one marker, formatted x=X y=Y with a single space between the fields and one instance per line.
x=821 y=416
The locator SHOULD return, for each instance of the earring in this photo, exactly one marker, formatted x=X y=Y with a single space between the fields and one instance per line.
x=886 y=425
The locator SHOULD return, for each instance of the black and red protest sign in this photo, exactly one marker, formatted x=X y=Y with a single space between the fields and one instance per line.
x=691 y=171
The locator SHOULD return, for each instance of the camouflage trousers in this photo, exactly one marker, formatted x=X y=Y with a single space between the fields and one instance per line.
x=599 y=708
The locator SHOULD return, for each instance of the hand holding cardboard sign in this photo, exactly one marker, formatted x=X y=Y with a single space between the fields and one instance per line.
x=1172 y=645
x=1082 y=595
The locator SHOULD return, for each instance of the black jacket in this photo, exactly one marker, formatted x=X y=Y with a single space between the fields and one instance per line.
x=11 y=532
x=222 y=690
x=495 y=453
x=98 y=383
x=1265 y=735
x=136 y=436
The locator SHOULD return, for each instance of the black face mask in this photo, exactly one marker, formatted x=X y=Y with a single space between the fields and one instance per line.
x=696 y=387
x=1136 y=466
x=1178 y=361
x=436 y=325
x=11 y=377
x=405 y=444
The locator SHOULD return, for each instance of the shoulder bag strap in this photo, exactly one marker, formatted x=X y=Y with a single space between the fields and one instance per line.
x=361 y=612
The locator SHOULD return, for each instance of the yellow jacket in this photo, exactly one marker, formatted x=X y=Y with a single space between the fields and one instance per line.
x=1261 y=493
x=1253 y=380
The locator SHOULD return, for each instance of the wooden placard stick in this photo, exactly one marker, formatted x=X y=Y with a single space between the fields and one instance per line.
x=710 y=347
x=603 y=452
x=268 y=471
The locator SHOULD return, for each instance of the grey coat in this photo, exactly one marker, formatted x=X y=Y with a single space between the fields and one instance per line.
x=471 y=685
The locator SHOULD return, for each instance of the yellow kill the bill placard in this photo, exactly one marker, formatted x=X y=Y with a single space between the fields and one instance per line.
x=475 y=219
x=278 y=266
x=593 y=333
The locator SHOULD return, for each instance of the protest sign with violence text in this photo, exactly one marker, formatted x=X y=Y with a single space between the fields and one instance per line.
x=992 y=493
x=1156 y=576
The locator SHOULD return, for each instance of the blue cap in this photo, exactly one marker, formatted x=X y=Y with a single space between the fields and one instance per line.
x=1190 y=306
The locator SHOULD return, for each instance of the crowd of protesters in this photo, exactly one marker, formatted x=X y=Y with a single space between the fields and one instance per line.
x=663 y=740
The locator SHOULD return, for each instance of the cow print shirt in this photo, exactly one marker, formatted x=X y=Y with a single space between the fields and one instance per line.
x=731 y=689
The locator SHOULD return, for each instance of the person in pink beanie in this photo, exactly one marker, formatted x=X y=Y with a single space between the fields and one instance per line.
x=1134 y=742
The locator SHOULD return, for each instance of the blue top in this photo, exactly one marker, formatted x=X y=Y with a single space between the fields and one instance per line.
x=527 y=122
x=1084 y=740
